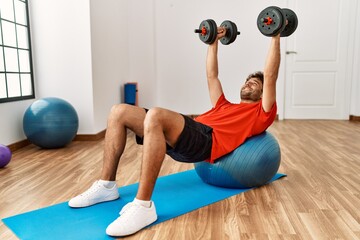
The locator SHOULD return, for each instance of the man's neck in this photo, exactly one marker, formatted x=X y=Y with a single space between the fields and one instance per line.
x=249 y=101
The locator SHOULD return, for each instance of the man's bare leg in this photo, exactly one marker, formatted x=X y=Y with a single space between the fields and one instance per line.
x=121 y=117
x=161 y=126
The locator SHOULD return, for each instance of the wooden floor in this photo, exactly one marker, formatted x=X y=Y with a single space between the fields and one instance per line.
x=320 y=198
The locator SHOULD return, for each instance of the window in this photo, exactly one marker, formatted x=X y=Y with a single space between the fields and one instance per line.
x=16 y=75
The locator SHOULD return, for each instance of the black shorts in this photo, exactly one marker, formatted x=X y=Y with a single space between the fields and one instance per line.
x=194 y=143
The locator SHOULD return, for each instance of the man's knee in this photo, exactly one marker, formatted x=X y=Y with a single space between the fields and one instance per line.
x=169 y=122
x=127 y=113
x=153 y=117
x=118 y=110
x=166 y=119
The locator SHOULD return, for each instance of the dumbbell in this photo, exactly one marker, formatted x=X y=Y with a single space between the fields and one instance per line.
x=208 y=31
x=272 y=21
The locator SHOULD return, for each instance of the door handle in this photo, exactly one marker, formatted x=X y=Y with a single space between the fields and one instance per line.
x=290 y=52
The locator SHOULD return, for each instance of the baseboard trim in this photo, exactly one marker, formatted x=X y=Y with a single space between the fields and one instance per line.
x=16 y=146
x=90 y=137
x=354 y=118
x=80 y=137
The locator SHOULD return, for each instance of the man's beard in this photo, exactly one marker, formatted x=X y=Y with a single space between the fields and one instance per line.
x=254 y=95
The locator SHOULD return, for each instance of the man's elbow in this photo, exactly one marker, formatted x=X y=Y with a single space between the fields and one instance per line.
x=270 y=77
x=212 y=77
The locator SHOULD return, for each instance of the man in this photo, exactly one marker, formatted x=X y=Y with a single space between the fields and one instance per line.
x=211 y=135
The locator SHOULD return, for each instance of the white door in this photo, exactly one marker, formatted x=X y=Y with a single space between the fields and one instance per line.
x=317 y=84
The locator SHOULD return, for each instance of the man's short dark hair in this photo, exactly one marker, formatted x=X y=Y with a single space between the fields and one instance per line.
x=259 y=75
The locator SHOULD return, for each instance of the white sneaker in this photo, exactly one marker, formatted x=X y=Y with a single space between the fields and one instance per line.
x=97 y=193
x=133 y=217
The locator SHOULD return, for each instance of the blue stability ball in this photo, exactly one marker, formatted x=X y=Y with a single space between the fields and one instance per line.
x=5 y=155
x=252 y=164
x=50 y=123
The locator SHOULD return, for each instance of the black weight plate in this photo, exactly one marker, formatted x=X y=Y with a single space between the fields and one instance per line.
x=208 y=25
x=234 y=32
x=290 y=28
x=277 y=25
x=213 y=32
x=283 y=25
x=227 y=38
x=231 y=32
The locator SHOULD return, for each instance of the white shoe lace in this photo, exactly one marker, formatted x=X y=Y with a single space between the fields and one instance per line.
x=128 y=206
x=94 y=188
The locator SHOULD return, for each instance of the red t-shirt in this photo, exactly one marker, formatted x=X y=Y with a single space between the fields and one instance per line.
x=233 y=123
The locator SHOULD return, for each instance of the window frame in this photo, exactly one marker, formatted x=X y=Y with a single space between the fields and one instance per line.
x=19 y=72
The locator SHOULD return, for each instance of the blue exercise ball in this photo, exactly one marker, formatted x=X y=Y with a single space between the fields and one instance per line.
x=252 y=164
x=50 y=123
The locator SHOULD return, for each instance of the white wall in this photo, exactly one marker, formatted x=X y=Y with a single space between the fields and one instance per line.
x=62 y=62
x=180 y=55
x=11 y=119
x=355 y=86
x=142 y=50
x=62 y=54
x=110 y=57
x=80 y=54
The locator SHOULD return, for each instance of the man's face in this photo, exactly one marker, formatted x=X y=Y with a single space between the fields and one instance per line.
x=252 y=90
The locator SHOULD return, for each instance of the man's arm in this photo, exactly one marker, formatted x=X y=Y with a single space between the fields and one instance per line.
x=271 y=74
x=212 y=71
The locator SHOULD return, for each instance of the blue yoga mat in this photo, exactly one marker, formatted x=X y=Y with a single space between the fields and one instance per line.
x=174 y=195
